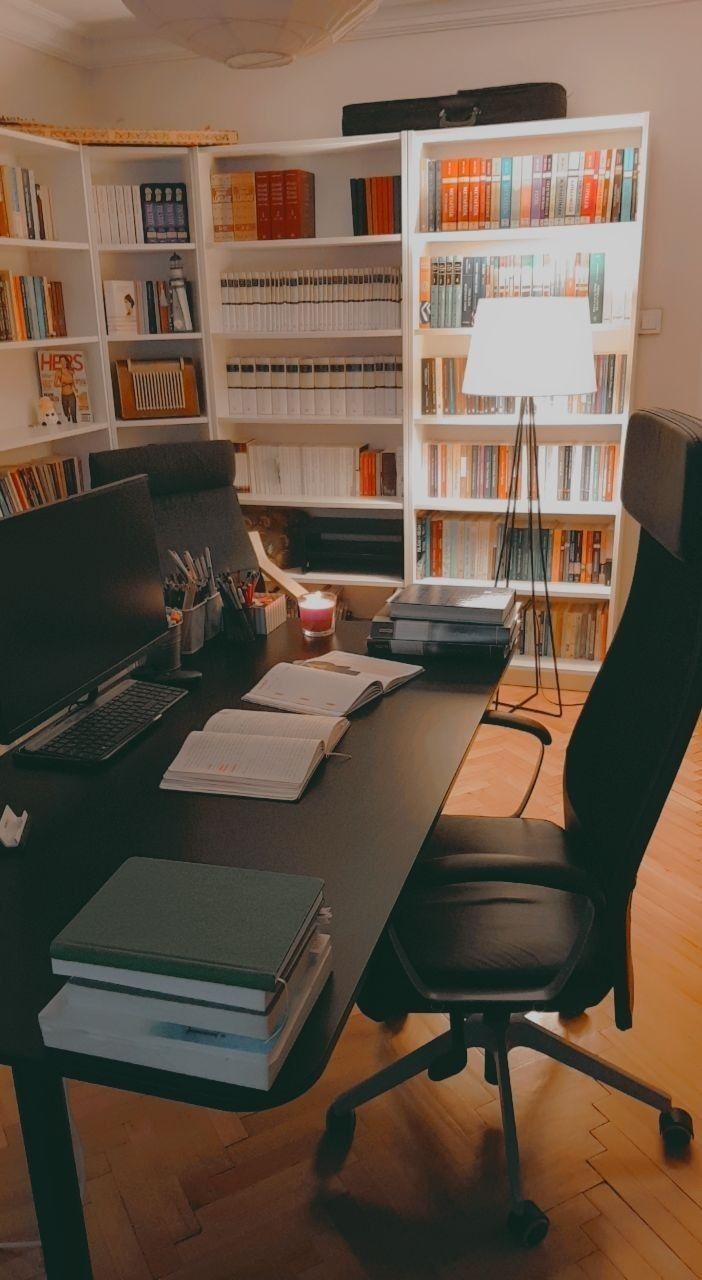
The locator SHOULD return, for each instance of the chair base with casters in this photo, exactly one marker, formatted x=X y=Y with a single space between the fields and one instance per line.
x=496 y=1034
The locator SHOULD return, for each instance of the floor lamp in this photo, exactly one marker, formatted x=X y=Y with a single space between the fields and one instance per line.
x=526 y=348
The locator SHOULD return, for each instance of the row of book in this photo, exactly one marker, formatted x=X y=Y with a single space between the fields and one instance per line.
x=142 y=306
x=269 y=204
x=579 y=631
x=25 y=205
x=325 y=471
x=566 y=472
x=450 y=288
x=479 y=193
x=145 y=213
x=469 y=547
x=376 y=206
x=310 y=301
x=442 y=380
x=315 y=386
x=31 y=307
x=38 y=483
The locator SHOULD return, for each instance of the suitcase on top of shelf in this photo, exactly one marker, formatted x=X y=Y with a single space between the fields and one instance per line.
x=498 y=104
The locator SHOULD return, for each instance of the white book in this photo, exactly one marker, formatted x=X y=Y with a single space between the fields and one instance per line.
x=334 y=685
x=292 y=387
x=112 y=214
x=337 y=383
x=230 y=1059
x=122 y=224
x=121 y=307
x=138 y=214
x=244 y=753
x=129 y=211
x=322 y=390
x=380 y=388
x=354 y=387
x=278 y=389
x=398 y=386
x=248 y=388
x=368 y=386
x=234 y=393
x=306 y=386
x=103 y=217
x=389 y=386
x=264 y=395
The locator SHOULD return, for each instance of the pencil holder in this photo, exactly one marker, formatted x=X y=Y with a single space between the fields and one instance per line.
x=193 y=633
x=213 y=616
x=165 y=654
x=236 y=628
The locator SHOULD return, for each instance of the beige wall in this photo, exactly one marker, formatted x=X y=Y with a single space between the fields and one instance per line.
x=41 y=87
x=646 y=59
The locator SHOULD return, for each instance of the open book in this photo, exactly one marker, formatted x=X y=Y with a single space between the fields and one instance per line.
x=333 y=685
x=254 y=753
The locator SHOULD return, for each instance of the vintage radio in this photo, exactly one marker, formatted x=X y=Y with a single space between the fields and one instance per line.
x=156 y=388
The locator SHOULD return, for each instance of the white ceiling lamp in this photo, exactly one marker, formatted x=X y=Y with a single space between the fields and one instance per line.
x=251 y=34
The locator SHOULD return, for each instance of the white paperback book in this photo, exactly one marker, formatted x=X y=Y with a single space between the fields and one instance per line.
x=173 y=1046
x=333 y=685
x=257 y=754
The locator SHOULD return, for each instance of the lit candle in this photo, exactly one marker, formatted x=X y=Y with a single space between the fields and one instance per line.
x=317 y=613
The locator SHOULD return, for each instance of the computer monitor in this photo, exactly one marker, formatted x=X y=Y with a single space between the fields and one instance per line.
x=82 y=599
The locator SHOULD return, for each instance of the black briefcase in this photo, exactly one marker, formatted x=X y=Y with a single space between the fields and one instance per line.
x=499 y=104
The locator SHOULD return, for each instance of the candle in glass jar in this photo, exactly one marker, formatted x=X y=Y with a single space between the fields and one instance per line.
x=317 y=613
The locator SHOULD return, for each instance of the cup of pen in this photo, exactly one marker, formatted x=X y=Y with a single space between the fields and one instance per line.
x=236 y=593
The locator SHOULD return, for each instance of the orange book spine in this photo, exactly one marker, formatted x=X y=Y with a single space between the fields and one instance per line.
x=263 y=204
x=449 y=195
x=463 y=195
x=277 y=196
x=482 y=193
x=555 y=575
x=474 y=210
x=588 y=201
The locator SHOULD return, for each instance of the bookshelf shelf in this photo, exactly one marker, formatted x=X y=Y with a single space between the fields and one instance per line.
x=350 y=504
x=30 y=437
x=33 y=344
x=307 y=242
x=17 y=242
x=558 y=590
x=121 y=423
x=556 y=510
x=300 y=420
x=170 y=247
x=154 y=337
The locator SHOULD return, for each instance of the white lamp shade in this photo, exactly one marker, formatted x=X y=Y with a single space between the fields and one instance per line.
x=531 y=347
x=252 y=34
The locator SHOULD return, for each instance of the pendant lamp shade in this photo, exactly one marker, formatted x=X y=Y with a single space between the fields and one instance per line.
x=251 y=34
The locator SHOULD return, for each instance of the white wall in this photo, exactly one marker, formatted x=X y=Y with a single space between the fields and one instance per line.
x=41 y=87
x=646 y=59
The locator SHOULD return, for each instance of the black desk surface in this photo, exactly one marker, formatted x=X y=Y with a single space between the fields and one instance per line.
x=359 y=825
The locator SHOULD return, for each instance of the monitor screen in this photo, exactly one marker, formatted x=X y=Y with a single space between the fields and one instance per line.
x=82 y=598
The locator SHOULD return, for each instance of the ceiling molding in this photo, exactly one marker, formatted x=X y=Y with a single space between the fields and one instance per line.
x=124 y=43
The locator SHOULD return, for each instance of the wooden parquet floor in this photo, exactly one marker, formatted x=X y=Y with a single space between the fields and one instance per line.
x=173 y=1191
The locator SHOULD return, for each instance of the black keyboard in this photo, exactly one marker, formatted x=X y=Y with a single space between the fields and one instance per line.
x=105 y=729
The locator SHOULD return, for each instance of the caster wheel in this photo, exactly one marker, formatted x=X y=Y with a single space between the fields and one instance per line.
x=529 y=1227
x=570 y=1015
x=676 y=1130
x=341 y=1126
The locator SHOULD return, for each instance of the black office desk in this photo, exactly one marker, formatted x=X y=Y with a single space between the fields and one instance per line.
x=360 y=826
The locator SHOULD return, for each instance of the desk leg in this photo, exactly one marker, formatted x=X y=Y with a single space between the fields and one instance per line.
x=52 y=1171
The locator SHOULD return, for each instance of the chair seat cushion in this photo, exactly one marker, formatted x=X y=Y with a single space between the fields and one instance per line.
x=488 y=937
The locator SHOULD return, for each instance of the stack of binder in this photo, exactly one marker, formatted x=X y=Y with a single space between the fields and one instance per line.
x=442 y=621
x=205 y=970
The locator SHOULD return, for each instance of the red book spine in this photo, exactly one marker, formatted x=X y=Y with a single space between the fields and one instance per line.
x=277 y=201
x=292 y=187
x=309 y=226
x=262 y=179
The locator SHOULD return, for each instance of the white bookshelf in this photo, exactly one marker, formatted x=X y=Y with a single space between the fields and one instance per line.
x=621 y=244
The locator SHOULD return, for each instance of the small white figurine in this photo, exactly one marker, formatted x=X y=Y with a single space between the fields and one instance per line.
x=48 y=417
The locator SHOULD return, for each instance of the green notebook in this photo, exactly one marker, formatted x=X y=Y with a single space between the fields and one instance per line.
x=192 y=920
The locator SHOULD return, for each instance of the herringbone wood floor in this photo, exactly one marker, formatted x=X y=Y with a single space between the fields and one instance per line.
x=195 y=1195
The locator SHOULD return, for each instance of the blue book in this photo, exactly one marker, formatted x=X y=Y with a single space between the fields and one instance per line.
x=627 y=185
x=506 y=191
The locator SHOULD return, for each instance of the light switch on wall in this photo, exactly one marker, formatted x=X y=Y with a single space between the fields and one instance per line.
x=651 y=321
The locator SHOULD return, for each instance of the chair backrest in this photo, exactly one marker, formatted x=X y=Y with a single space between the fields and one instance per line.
x=638 y=719
x=192 y=490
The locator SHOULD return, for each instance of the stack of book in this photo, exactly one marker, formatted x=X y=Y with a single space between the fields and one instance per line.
x=149 y=213
x=31 y=307
x=37 y=483
x=474 y=193
x=315 y=386
x=448 y=622
x=270 y=204
x=311 y=301
x=25 y=205
x=207 y=971
x=376 y=206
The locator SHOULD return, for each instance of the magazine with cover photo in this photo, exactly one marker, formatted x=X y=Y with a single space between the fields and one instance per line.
x=63 y=377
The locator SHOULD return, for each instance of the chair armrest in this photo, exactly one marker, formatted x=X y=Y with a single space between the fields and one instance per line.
x=505 y=868
x=524 y=725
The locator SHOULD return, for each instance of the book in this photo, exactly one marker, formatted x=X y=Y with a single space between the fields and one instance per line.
x=231 y=1059
x=250 y=753
x=191 y=929
x=383 y=626
x=334 y=685
x=121 y=307
x=36 y=483
x=63 y=376
x=243 y=205
x=452 y=604
x=222 y=211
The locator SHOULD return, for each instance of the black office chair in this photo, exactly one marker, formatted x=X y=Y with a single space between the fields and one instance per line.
x=195 y=503
x=507 y=915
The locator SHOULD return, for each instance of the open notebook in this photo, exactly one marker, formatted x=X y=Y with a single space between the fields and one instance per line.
x=333 y=685
x=254 y=753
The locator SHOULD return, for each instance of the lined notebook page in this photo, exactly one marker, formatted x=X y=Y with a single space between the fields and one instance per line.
x=387 y=672
x=306 y=689
x=258 y=759
x=278 y=724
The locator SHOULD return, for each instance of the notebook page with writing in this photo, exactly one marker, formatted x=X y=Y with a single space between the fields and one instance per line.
x=390 y=674
x=231 y=764
x=311 y=690
x=279 y=724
